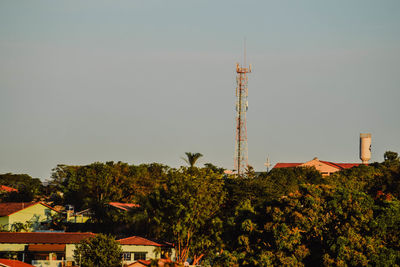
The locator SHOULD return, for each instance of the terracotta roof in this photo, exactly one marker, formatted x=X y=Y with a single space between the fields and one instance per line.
x=286 y=165
x=348 y=165
x=139 y=241
x=43 y=238
x=123 y=206
x=9 y=208
x=13 y=263
x=333 y=164
x=7 y=188
x=140 y=263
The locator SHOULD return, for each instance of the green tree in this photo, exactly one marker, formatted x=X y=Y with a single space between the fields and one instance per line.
x=391 y=156
x=316 y=225
x=98 y=251
x=192 y=158
x=214 y=168
x=184 y=210
x=282 y=181
x=29 y=188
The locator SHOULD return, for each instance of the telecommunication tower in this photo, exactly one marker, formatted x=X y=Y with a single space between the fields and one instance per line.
x=241 y=154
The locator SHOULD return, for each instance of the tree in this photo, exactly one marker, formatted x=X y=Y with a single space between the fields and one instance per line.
x=192 y=158
x=184 y=211
x=391 y=156
x=101 y=250
x=316 y=225
x=29 y=188
x=214 y=168
x=282 y=181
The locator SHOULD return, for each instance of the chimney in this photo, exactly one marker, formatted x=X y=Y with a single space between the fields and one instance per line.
x=365 y=147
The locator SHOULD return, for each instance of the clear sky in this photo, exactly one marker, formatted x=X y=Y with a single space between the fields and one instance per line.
x=146 y=81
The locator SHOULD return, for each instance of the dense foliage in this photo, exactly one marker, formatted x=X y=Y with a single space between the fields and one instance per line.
x=101 y=250
x=28 y=188
x=289 y=216
x=184 y=209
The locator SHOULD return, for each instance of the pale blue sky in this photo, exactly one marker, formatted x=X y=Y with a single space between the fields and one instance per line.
x=146 y=81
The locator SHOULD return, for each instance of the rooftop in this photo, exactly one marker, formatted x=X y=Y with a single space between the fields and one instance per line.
x=43 y=238
x=9 y=208
x=140 y=241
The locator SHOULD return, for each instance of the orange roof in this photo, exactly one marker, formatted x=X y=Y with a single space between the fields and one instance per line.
x=139 y=241
x=8 y=208
x=286 y=165
x=43 y=238
x=333 y=164
x=140 y=263
x=7 y=188
x=348 y=165
x=123 y=206
x=13 y=263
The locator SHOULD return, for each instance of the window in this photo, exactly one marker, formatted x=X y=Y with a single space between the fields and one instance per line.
x=139 y=256
x=126 y=256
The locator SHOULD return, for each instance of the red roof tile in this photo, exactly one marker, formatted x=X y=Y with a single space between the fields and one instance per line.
x=348 y=165
x=123 y=206
x=9 y=208
x=139 y=241
x=286 y=165
x=7 y=188
x=333 y=164
x=43 y=238
x=13 y=263
x=140 y=263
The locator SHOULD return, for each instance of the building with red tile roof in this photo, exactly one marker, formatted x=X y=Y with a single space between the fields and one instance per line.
x=137 y=248
x=39 y=248
x=34 y=213
x=13 y=263
x=324 y=167
x=140 y=241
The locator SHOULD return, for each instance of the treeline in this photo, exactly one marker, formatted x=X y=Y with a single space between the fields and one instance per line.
x=290 y=216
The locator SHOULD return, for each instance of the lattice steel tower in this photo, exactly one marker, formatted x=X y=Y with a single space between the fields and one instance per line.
x=241 y=154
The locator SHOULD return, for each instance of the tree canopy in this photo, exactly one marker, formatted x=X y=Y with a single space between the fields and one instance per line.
x=290 y=216
x=101 y=250
x=192 y=158
x=184 y=209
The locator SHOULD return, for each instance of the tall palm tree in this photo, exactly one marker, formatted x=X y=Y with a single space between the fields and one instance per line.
x=192 y=158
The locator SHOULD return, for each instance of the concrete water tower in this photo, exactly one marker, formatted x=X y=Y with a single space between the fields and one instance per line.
x=365 y=147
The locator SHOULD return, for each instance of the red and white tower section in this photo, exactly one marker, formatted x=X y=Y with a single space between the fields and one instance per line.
x=241 y=154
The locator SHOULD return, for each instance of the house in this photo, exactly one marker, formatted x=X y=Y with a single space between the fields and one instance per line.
x=13 y=263
x=57 y=248
x=137 y=248
x=33 y=213
x=42 y=248
x=324 y=167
